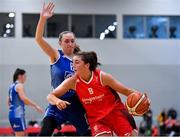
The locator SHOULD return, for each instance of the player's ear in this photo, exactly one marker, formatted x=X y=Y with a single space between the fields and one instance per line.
x=87 y=65
x=60 y=41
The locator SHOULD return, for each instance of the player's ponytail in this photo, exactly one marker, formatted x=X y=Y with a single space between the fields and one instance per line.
x=76 y=49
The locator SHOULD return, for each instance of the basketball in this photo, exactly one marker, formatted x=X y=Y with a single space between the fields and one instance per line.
x=137 y=103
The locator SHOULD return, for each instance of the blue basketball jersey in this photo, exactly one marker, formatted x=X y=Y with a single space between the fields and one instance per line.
x=60 y=70
x=16 y=108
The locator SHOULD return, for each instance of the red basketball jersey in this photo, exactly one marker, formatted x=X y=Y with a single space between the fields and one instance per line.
x=98 y=100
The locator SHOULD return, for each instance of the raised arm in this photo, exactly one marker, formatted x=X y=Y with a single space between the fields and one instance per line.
x=46 y=13
x=25 y=99
x=8 y=101
x=64 y=87
x=108 y=80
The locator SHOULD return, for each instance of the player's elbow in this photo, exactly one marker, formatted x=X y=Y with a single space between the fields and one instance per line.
x=38 y=38
x=49 y=99
x=24 y=99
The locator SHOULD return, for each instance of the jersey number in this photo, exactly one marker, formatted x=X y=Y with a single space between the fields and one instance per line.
x=90 y=91
x=71 y=66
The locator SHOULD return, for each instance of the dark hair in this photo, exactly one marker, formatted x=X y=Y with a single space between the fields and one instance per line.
x=18 y=72
x=76 y=49
x=89 y=57
x=65 y=32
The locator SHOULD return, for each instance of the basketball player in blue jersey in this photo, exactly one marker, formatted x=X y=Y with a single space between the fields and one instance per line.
x=61 y=68
x=16 y=101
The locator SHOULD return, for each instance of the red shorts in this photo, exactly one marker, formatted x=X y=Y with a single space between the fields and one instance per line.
x=98 y=128
x=116 y=121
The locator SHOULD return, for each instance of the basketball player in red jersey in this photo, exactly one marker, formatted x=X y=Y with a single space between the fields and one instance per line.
x=97 y=92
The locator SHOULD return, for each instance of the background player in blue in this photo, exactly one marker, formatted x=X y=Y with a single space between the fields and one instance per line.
x=61 y=68
x=16 y=101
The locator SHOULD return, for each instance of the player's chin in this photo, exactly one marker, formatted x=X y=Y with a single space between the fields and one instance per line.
x=76 y=72
x=70 y=49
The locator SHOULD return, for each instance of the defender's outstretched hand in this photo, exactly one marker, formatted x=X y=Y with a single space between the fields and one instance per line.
x=47 y=10
x=39 y=109
x=62 y=104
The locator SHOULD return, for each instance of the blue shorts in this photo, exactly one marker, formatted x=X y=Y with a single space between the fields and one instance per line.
x=17 y=124
x=74 y=113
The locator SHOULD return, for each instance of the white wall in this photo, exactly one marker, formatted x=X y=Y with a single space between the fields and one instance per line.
x=128 y=51
x=151 y=65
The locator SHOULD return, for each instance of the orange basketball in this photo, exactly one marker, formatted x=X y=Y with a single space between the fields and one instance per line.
x=137 y=103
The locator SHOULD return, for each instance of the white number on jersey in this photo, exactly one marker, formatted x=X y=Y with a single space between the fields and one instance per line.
x=90 y=91
x=71 y=66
